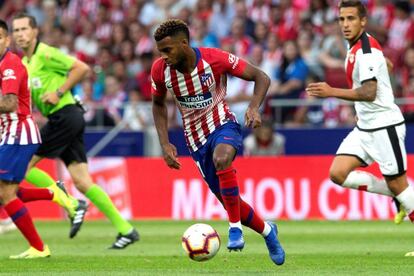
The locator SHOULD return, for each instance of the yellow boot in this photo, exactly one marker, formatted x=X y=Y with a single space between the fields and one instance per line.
x=33 y=253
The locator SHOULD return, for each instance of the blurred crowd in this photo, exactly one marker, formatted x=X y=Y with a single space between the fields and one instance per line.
x=293 y=41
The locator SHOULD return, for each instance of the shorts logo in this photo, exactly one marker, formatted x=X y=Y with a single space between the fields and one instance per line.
x=168 y=84
x=207 y=79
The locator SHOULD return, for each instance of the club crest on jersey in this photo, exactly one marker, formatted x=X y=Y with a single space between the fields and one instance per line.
x=351 y=58
x=206 y=79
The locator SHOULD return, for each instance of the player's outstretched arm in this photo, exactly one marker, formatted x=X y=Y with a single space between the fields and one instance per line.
x=160 y=114
x=261 y=86
x=8 y=103
x=366 y=93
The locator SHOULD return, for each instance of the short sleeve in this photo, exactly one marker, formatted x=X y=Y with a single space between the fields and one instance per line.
x=157 y=83
x=368 y=66
x=229 y=62
x=57 y=61
x=11 y=77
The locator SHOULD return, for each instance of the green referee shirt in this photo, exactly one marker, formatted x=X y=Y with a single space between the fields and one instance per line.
x=48 y=68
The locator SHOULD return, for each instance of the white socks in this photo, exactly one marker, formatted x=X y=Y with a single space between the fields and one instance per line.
x=236 y=224
x=406 y=198
x=365 y=181
x=266 y=229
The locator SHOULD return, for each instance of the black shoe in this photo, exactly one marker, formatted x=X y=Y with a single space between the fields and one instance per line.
x=78 y=218
x=123 y=241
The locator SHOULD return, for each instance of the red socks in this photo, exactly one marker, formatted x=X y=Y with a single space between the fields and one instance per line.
x=229 y=190
x=237 y=209
x=30 y=194
x=21 y=217
x=249 y=217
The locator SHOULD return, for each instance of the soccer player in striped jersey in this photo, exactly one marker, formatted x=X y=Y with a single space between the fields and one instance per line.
x=380 y=131
x=19 y=139
x=196 y=78
x=51 y=76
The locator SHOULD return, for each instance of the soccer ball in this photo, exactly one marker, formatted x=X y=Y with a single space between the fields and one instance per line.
x=201 y=242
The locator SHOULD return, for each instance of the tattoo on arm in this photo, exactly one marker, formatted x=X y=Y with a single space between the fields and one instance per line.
x=368 y=91
x=8 y=103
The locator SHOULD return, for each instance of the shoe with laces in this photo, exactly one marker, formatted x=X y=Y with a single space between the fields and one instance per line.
x=61 y=197
x=236 y=241
x=33 y=253
x=78 y=219
x=122 y=241
x=276 y=252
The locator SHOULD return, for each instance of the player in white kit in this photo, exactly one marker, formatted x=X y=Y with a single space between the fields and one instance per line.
x=380 y=132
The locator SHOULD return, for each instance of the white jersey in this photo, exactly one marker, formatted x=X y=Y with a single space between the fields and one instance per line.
x=365 y=61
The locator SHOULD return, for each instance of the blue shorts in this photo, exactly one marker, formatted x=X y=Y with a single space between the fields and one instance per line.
x=229 y=133
x=14 y=160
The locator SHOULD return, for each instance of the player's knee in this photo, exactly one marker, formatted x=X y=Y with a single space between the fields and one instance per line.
x=7 y=192
x=337 y=176
x=222 y=162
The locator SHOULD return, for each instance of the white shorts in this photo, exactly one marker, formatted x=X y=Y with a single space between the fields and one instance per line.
x=385 y=146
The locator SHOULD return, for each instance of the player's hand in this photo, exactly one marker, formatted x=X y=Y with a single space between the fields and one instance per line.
x=319 y=89
x=170 y=156
x=252 y=118
x=50 y=98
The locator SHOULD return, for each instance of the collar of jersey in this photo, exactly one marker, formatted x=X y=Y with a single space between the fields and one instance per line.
x=37 y=45
x=356 y=41
x=198 y=55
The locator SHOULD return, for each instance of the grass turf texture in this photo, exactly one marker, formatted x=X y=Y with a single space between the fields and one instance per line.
x=312 y=248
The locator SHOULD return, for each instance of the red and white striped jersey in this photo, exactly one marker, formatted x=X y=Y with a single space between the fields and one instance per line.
x=199 y=95
x=365 y=61
x=16 y=127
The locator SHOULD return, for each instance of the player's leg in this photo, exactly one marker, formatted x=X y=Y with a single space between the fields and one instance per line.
x=223 y=156
x=14 y=160
x=42 y=179
x=342 y=172
x=268 y=230
x=18 y=212
x=387 y=148
x=62 y=128
x=223 y=146
x=83 y=182
x=351 y=154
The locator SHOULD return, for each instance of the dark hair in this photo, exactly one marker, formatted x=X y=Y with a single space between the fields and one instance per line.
x=403 y=6
x=362 y=10
x=171 y=27
x=32 y=20
x=3 y=25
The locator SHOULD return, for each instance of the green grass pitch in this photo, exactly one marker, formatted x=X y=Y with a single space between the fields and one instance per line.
x=312 y=248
